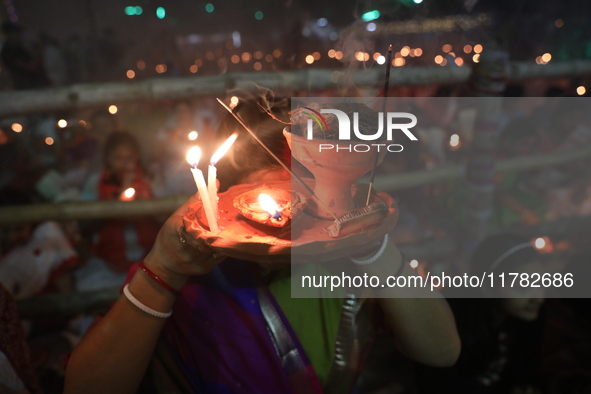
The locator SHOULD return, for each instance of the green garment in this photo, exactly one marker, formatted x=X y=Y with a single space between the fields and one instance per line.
x=314 y=320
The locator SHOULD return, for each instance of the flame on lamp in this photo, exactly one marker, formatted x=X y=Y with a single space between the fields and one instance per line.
x=129 y=193
x=269 y=205
x=223 y=149
x=193 y=156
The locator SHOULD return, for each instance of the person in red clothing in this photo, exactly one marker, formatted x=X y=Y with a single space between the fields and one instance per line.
x=121 y=242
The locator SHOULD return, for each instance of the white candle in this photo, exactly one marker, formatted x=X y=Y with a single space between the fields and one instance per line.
x=212 y=186
x=193 y=158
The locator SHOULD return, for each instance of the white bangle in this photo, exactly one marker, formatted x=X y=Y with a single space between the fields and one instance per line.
x=143 y=307
x=375 y=256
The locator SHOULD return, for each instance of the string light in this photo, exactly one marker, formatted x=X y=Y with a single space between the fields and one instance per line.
x=467 y=48
x=193 y=135
x=414 y=264
x=17 y=127
x=62 y=123
x=193 y=69
x=580 y=91
x=130 y=74
x=112 y=109
x=49 y=141
x=309 y=59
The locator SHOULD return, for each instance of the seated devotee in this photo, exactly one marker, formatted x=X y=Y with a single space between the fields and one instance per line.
x=120 y=241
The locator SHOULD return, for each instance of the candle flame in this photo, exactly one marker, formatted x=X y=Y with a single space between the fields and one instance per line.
x=193 y=156
x=223 y=149
x=268 y=204
x=129 y=193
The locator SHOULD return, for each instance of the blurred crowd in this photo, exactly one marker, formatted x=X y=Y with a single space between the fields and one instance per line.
x=102 y=153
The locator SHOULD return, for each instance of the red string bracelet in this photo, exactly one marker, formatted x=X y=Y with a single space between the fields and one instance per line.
x=159 y=280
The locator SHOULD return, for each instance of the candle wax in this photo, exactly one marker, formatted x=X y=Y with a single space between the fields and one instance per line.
x=209 y=213
x=212 y=188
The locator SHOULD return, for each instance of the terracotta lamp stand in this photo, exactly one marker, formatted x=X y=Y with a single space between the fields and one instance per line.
x=304 y=235
x=253 y=235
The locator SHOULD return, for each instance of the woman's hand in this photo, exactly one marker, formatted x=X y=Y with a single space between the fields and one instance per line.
x=176 y=255
x=113 y=356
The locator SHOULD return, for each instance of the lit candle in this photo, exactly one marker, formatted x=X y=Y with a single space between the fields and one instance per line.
x=127 y=195
x=270 y=206
x=212 y=186
x=193 y=158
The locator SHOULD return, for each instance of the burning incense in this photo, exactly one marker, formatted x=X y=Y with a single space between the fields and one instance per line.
x=386 y=87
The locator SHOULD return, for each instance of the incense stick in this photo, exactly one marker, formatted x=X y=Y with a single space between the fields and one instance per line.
x=386 y=87
x=239 y=119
